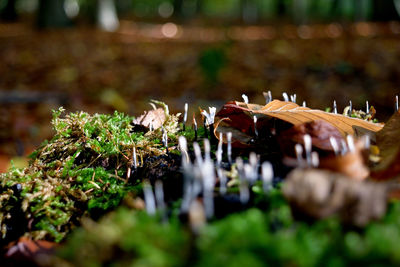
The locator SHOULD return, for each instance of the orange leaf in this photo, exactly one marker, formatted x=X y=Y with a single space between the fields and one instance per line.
x=294 y=114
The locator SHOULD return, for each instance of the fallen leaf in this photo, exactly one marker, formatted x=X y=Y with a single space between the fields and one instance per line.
x=389 y=146
x=321 y=193
x=156 y=117
x=320 y=132
x=241 y=116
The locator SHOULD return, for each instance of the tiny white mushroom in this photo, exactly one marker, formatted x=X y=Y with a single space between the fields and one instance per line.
x=255 y=126
x=334 y=145
x=293 y=98
x=219 y=150
x=149 y=198
x=299 y=154
x=229 y=146
x=197 y=153
x=308 y=148
x=315 y=159
x=334 y=107
x=245 y=98
x=159 y=192
x=350 y=143
x=285 y=97
x=268 y=97
x=207 y=150
x=267 y=175
x=185 y=114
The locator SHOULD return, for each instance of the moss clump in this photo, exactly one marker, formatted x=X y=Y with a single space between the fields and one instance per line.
x=86 y=169
x=127 y=238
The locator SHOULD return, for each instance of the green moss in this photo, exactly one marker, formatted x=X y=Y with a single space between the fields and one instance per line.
x=82 y=170
x=256 y=237
x=127 y=238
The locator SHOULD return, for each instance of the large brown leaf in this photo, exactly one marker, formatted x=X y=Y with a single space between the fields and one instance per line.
x=388 y=141
x=240 y=115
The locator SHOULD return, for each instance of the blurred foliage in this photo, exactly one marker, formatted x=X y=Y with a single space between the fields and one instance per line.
x=300 y=11
x=256 y=237
x=127 y=238
x=211 y=62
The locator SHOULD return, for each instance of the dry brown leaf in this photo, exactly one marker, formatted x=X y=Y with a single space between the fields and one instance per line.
x=156 y=117
x=320 y=193
x=350 y=164
x=388 y=141
x=294 y=114
x=320 y=132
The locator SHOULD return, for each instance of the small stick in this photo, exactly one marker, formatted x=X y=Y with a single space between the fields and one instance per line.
x=367 y=107
x=397 y=103
x=166 y=110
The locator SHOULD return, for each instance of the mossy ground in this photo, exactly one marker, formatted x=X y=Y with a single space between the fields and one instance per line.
x=84 y=170
x=87 y=170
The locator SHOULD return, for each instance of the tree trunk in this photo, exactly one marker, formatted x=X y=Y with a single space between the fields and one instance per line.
x=107 y=17
x=51 y=14
x=178 y=8
x=249 y=11
x=9 y=13
x=385 y=10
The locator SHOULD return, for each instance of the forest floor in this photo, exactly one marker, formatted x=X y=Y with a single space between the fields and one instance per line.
x=85 y=69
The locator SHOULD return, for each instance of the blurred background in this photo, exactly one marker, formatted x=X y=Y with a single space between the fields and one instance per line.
x=106 y=55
